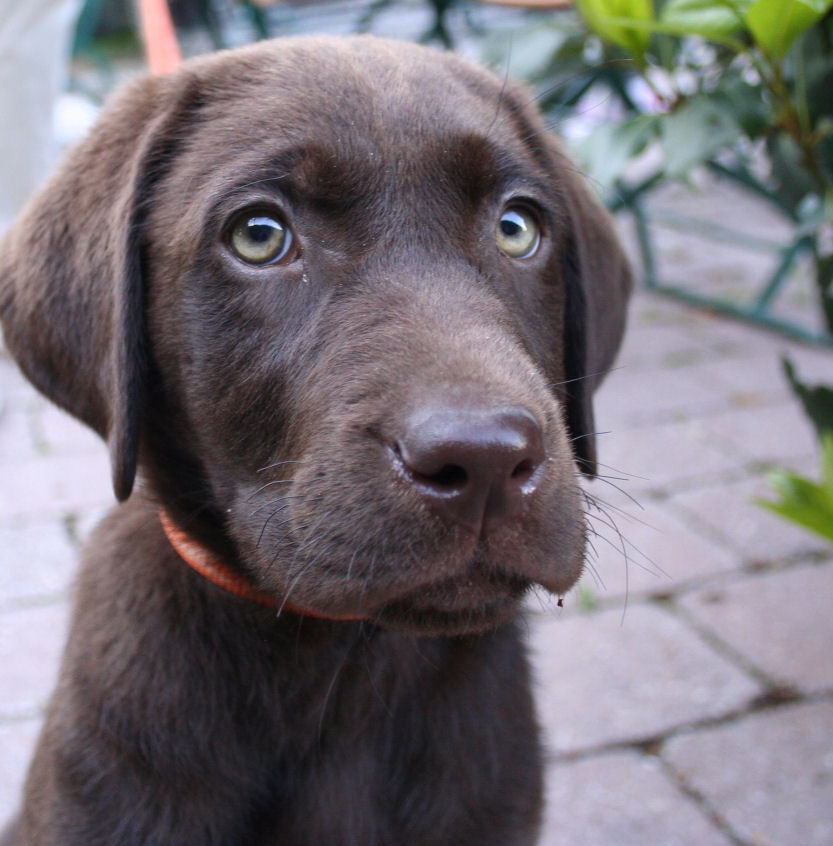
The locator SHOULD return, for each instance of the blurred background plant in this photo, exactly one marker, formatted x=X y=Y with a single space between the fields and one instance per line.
x=741 y=87
x=801 y=500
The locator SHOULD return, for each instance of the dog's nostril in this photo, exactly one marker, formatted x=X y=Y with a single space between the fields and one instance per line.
x=523 y=472
x=449 y=478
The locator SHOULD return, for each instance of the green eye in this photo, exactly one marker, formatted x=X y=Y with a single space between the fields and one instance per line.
x=517 y=234
x=260 y=239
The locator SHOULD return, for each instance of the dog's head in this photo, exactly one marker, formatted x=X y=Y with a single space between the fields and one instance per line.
x=345 y=303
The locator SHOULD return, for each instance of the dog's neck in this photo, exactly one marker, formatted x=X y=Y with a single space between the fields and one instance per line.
x=200 y=558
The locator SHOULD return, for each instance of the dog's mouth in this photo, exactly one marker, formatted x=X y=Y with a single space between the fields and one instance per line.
x=479 y=596
x=465 y=584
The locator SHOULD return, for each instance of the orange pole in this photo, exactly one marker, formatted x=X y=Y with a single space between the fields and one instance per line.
x=161 y=45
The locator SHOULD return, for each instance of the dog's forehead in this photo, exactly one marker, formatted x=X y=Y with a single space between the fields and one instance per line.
x=350 y=95
x=337 y=77
x=332 y=116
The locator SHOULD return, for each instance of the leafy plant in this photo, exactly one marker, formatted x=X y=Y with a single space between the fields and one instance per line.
x=744 y=85
x=758 y=80
x=801 y=500
x=807 y=503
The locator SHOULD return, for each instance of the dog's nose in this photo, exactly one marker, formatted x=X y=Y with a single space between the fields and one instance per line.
x=475 y=465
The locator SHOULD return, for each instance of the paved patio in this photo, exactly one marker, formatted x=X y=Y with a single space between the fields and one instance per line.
x=686 y=688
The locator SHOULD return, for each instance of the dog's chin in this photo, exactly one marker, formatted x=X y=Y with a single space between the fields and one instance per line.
x=478 y=598
x=432 y=621
x=454 y=607
x=468 y=603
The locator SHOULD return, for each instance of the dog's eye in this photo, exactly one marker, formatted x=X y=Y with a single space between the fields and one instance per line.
x=517 y=233
x=260 y=239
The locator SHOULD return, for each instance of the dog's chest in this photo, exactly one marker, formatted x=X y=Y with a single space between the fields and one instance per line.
x=410 y=760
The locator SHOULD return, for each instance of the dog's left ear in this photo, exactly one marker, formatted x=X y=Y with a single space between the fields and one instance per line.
x=598 y=281
x=71 y=288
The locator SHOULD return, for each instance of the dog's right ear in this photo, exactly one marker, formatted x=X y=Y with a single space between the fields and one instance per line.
x=71 y=292
x=598 y=281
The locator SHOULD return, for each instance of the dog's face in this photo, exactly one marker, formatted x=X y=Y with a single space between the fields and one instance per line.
x=347 y=303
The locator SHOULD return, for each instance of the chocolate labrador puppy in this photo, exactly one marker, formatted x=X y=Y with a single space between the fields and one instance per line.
x=341 y=304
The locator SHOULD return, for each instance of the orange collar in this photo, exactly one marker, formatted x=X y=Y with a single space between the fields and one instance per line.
x=198 y=558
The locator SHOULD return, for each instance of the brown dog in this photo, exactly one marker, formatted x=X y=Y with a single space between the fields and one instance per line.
x=343 y=303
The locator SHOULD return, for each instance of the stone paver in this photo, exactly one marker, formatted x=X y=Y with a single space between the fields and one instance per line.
x=648 y=551
x=31 y=641
x=770 y=774
x=661 y=456
x=55 y=484
x=774 y=433
x=17 y=742
x=608 y=678
x=16 y=390
x=57 y=432
x=727 y=512
x=779 y=621
x=16 y=435
x=622 y=798
x=760 y=375
x=625 y=403
x=37 y=559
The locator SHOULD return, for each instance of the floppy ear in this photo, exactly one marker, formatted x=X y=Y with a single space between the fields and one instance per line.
x=598 y=282
x=71 y=293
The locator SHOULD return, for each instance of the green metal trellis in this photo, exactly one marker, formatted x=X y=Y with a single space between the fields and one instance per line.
x=757 y=310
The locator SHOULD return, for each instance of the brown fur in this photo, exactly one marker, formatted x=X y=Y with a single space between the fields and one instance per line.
x=267 y=409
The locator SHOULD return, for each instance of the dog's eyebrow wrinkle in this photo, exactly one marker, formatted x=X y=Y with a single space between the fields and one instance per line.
x=266 y=180
x=495 y=167
x=275 y=170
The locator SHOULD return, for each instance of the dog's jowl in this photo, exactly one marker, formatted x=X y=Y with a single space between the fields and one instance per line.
x=338 y=307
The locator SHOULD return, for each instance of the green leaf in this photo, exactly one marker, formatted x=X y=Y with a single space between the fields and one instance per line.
x=601 y=17
x=802 y=502
x=805 y=502
x=816 y=66
x=694 y=132
x=817 y=401
x=827 y=461
x=775 y=24
x=788 y=175
x=746 y=103
x=609 y=148
x=524 y=52
x=647 y=28
x=824 y=282
x=706 y=18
